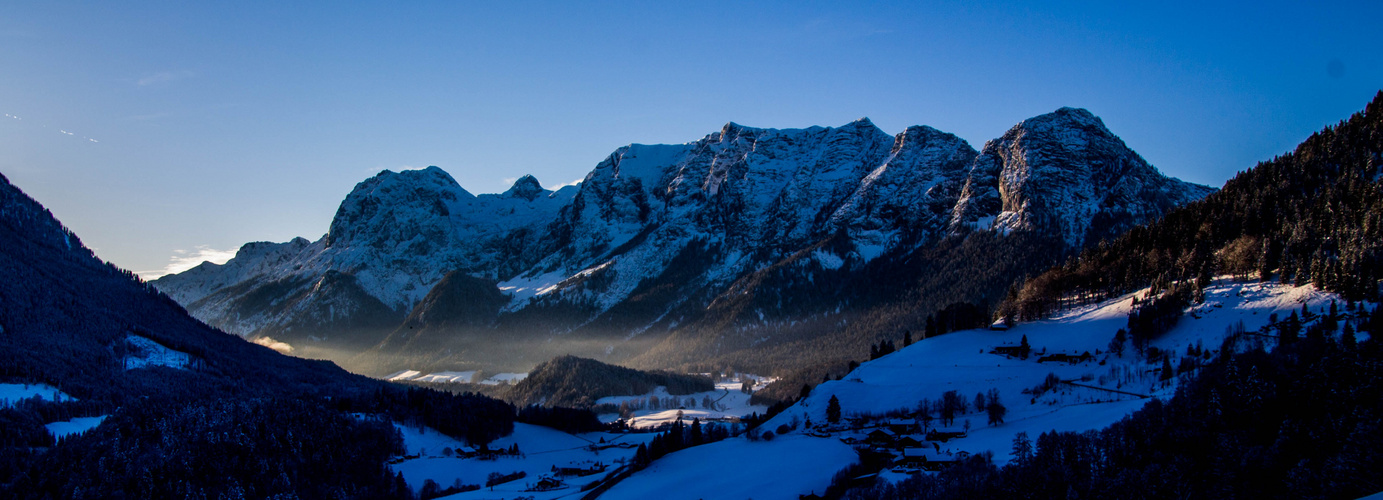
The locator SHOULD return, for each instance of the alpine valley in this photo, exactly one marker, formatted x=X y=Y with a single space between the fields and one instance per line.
x=1047 y=317
x=762 y=250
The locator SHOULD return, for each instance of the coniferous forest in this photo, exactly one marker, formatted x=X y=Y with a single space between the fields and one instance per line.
x=1295 y=417
x=1314 y=215
x=1297 y=421
x=236 y=421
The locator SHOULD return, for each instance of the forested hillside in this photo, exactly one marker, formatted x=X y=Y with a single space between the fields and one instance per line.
x=1289 y=411
x=1312 y=215
x=188 y=411
x=578 y=382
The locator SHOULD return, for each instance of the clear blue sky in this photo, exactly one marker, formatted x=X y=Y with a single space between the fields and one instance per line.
x=166 y=129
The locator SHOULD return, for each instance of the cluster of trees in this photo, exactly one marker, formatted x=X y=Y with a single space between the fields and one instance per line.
x=1156 y=315
x=884 y=348
x=1314 y=215
x=679 y=436
x=953 y=404
x=753 y=419
x=1300 y=421
x=627 y=408
x=240 y=448
x=432 y=490
x=573 y=420
x=476 y=419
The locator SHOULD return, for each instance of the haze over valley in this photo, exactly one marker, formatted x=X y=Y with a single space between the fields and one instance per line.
x=613 y=251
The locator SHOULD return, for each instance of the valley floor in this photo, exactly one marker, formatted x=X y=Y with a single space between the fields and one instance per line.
x=1089 y=392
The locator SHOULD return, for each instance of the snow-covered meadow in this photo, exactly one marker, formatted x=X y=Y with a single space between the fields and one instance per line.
x=796 y=463
x=1094 y=393
x=12 y=393
x=727 y=402
x=541 y=449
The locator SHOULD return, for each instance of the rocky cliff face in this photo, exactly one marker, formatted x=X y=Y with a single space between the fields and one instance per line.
x=655 y=229
x=394 y=237
x=1066 y=174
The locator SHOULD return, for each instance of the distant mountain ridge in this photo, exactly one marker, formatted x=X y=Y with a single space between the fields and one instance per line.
x=656 y=233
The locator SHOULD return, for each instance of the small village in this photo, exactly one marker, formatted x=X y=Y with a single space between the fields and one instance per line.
x=915 y=447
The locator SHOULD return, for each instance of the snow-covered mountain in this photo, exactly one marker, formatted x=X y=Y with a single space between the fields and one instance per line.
x=1067 y=174
x=655 y=231
x=394 y=237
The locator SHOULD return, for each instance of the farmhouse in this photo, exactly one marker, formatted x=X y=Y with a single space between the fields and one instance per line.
x=944 y=435
x=1008 y=350
x=902 y=425
x=547 y=484
x=881 y=437
x=578 y=471
x=1066 y=358
x=909 y=441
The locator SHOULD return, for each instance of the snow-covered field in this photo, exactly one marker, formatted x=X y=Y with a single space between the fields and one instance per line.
x=466 y=377
x=796 y=464
x=962 y=361
x=145 y=353
x=738 y=468
x=727 y=400
x=1098 y=391
x=542 y=449
x=75 y=426
x=11 y=393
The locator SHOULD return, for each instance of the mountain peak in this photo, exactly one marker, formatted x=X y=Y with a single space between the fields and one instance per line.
x=527 y=187
x=1065 y=118
x=379 y=205
x=732 y=129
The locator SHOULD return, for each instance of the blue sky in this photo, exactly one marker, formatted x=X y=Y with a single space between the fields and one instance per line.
x=175 y=130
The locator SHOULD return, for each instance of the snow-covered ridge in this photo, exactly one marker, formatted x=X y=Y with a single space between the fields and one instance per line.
x=394 y=236
x=743 y=198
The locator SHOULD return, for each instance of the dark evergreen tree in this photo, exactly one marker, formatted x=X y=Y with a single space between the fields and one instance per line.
x=833 y=410
x=1116 y=345
x=996 y=411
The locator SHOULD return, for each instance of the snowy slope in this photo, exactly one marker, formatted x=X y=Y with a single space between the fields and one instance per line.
x=962 y=361
x=542 y=449
x=738 y=468
x=65 y=428
x=727 y=402
x=12 y=393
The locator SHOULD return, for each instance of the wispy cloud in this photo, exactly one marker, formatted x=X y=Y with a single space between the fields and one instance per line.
x=183 y=260
x=162 y=77
x=572 y=183
x=281 y=347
